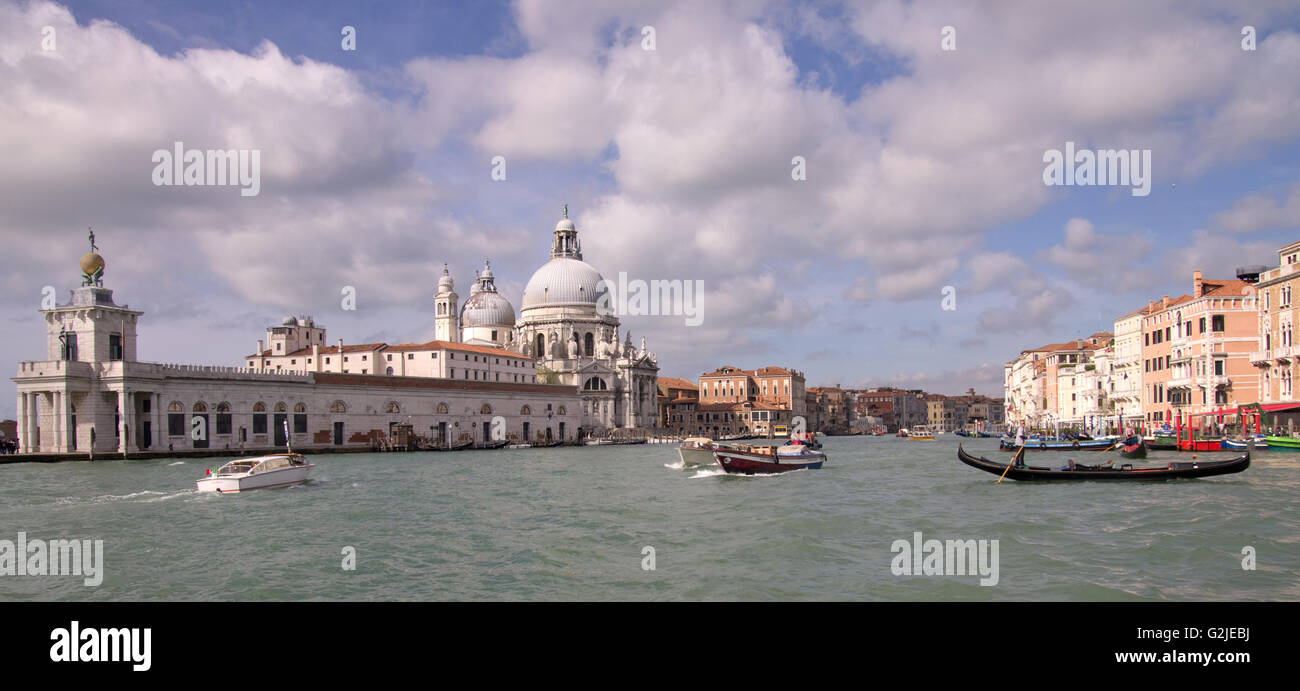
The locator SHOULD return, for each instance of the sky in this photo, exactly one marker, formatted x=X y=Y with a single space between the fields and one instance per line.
x=917 y=243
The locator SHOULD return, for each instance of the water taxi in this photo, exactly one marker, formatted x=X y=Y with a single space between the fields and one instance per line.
x=921 y=433
x=258 y=472
x=696 y=451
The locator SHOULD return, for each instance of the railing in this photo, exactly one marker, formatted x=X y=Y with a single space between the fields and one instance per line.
x=1260 y=357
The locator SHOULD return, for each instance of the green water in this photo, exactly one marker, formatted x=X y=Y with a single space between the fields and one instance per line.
x=571 y=524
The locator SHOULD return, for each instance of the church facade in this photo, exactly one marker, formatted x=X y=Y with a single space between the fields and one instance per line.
x=562 y=332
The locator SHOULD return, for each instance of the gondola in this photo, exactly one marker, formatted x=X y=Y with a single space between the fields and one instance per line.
x=459 y=446
x=492 y=444
x=1107 y=471
x=1133 y=447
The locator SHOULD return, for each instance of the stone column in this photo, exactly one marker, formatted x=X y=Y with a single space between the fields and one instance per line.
x=156 y=433
x=56 y=414
x=22 y=422
x=123 y=424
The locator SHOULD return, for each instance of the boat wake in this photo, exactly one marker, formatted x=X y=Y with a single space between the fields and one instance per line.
x=709 y=472
x=177 y=463
x=679 y=465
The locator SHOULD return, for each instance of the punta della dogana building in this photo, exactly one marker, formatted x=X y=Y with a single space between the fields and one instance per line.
x=556 y=373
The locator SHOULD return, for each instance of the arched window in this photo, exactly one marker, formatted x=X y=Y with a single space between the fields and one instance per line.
x=338 y=407
x=281 y=407
x=259 y=407
x=541 y=346
x=200 y=407
x=442 y=408
x=389 y=371
x=525 y=411
x=175 y=407
x=595 y=384
x=589 y=344
x=393 y=407
x=300 y=408
x=486 y=409
x=223 y=407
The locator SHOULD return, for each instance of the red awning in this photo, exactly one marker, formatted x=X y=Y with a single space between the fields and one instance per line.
x=1268 y=408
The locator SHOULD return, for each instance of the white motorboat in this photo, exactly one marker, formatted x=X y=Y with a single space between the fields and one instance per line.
x=696 y=451
x=258 y=472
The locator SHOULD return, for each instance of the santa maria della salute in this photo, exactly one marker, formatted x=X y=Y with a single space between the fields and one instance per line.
x=556 y=372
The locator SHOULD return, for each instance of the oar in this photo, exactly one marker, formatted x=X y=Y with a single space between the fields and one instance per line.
x=1013 y=458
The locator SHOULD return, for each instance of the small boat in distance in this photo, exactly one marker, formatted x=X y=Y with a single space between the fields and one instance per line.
x=1047 y=445
x=1240 y=444
x=258 y=472
x=921 y=433
x=744 y=459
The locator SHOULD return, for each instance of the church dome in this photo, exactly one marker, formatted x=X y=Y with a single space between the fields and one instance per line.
x=562 y=280
x=487 y=308
x=565 y=224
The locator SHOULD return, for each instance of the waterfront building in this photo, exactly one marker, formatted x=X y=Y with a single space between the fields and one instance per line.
x=829 y=410
x=1126 y=386
x=1197 y=350
x=877 y=403
x=677 y=401
x=1276 y=358
x=1041 y=384
x=90 y=392
x=750 y=401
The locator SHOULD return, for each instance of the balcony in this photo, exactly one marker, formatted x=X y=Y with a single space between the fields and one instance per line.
x=1217 y=380
x=1261 y=358
x=1284 y=354
x=1179 y=383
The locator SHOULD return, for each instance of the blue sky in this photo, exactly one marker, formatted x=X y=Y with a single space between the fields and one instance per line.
x=924 y=167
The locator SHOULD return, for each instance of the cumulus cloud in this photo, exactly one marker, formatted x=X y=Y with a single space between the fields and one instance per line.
x=1262 y=211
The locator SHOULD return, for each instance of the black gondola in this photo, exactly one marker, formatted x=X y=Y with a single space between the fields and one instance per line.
x=1074 y=471
x=1133 y=447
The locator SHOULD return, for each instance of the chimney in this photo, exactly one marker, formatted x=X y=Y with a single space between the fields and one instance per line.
x=1151 y=306
x=259 y=346
x=1197 y=286
x=315 y=356
x=1164 y=303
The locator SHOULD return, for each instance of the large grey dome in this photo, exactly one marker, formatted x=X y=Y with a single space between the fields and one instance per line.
x=487 y=308
x=562 y=280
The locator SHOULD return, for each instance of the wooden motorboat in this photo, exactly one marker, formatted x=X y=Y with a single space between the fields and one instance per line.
x=1240 y=444
x=761 y=460
x=696 y=451
x=1105 y=471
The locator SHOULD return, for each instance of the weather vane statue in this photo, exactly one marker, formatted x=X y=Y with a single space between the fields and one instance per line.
x=92 y=265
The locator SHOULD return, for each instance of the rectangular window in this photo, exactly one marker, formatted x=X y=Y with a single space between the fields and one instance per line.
x=223 y=423
x=410 y=356
x=259 y=423
x=1216 y=323
x=1218 y=367
x=300 y=423
x=115 y=346
x=176 y=424
x=1202 y=325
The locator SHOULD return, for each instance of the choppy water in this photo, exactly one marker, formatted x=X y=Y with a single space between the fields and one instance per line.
x=571 y=523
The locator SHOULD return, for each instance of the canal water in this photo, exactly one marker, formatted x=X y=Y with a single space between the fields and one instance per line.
x=574 y=523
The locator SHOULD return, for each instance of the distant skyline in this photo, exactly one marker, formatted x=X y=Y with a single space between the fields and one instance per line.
x=922 y=168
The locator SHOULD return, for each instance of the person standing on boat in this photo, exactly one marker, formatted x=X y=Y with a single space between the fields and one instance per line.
x=1020 y=435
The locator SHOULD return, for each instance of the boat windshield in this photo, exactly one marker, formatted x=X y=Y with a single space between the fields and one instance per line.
x=237 y=467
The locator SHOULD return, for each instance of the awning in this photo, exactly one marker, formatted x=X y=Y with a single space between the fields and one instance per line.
x=1268 y=408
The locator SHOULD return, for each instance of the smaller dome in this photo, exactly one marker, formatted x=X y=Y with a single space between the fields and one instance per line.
x=91 y=262
x=445 y=281
x=487 y=308
x=289 y=321
x=565 y=224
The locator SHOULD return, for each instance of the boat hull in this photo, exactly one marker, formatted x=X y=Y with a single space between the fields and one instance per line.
x=695 y=455
x=1171 y=471
x=739 y=462
x=1239 y=445
x=1133 y=448
x=1039 y=445
x=1283 y=443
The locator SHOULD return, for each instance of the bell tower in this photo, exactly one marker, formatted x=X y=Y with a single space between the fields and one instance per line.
x=446 y=315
